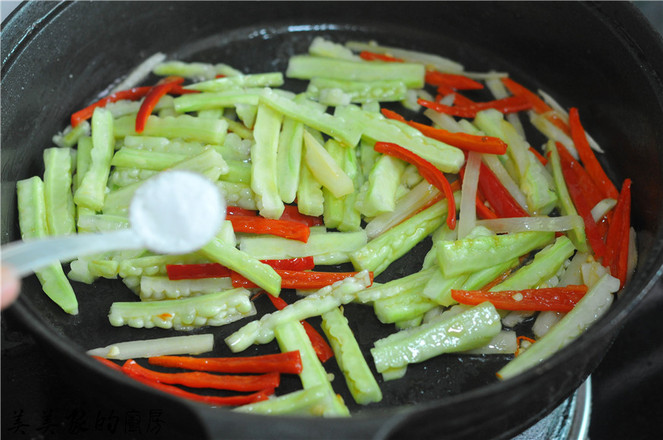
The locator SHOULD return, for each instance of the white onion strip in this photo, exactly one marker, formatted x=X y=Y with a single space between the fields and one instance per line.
x=468 y=209
x=140 y=72
x=190 y=344
x=520 y=224
x=553 y=132
x=602 y=208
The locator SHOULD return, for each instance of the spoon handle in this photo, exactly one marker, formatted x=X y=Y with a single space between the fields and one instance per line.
x=28 y=256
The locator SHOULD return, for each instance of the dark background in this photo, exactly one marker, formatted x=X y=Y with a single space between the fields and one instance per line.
x=627 y=388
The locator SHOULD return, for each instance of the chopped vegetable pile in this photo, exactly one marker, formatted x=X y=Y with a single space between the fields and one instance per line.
x=386 y=149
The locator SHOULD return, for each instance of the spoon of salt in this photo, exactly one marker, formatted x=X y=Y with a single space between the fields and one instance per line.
x=174 y=212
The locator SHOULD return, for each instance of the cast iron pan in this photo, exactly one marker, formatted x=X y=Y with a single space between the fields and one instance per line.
x=601 y=57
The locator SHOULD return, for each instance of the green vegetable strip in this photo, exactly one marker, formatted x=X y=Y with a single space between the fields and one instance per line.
x=83 y=160
x=471 y=329
x=238 y=172
x=292 y=336
x=325 y=48
x=545 y=265
x=378 y=194
x=438 y=288
x=439 y=63
x=566 y=206
x=380 y=252
x=315 y=304
x=310 y=197
x=360 y=91
x=102 y=222
x=289 y=158
x=377 y=128
x=228 y=255
x=351 y=220
x=189 y=128
x=334 y=206
x=345 y=131
x=412 y=282
x=472 y=254
x=193 y=70
x=155 y=264
x=215 y=309
x=589 y=309
x=270 y=79
x=163 y=145
x=32 y=222
x=92 y=190
x=309 y=401
x=324 y=168
x=212 y=100
x=238 y=194
x=325 y=248
x=153 y=288
x=121 y=177
x=263 y=162
x=358 y=376
x=60 y=208
x=405 y=306
x=71 y=135
x=307 y=67
x=144 y=159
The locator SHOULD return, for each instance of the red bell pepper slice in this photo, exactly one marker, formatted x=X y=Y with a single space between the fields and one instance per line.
x=451 y=81
x=511 y=104
x=464 y=141
x=579 y=195
x=289 y=362
x=211 y=400
x=216 y=270
x=236 y=210
x=132 y=94
x=372 y=56
x=584 y=181
x=499 y=198
x=539 y=156
x=320 y=345
x=483 y=211
x=427 y=170
x=291 y=213
x=556 y=299
x=588 y=157
x=298 y=279
x=152 y=98
x=108 y=363
x=198 y=379
x=260 y=225
x=619 y=235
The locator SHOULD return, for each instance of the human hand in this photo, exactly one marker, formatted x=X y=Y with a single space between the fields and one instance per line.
x=11 y=285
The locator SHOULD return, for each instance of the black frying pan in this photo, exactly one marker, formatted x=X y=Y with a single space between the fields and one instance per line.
x=601 y=57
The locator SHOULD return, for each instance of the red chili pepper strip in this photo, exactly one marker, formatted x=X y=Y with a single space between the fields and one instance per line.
x=499 y=198
x=152 y=98
x=211 y=400
x=483 y=211
x=291 y=212
x=197 y=379
x=133 y=94
x=108 y=363
x=215 y=270
x=236 y=210
x=288 y=363
x=296 y=279
x=588 y=158
x=464 y=141
x=320 y=345
x=196 y=271
x=372 y=56
x=538 y=105
x=591 y=192
x=511 y=104
x=619 y=235
x=260 y=225
x=579 y=196
x=519 y=340
x=452 y=81
x=179 y=90
x=556 y=299
x=539 y=156
x=427 y=170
